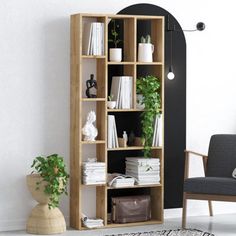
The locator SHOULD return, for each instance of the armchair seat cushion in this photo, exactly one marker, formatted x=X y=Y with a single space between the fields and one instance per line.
x=211 y=185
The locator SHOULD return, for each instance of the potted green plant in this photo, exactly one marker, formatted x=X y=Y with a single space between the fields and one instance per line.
x=47 y=182
x=145 y=49
x=149 y=88
x=115 y=53
x=110 y=103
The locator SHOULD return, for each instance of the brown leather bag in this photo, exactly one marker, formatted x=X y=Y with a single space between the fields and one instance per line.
x=131 y=209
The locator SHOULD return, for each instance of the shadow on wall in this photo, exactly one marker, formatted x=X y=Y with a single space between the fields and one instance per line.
x=56 y=91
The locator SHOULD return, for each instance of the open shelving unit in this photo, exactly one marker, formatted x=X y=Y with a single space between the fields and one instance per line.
x=131 y=28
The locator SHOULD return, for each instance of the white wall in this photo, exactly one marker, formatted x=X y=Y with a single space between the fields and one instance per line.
x=34 y=86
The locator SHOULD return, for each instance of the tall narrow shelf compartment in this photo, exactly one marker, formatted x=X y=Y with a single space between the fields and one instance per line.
x=131 y=29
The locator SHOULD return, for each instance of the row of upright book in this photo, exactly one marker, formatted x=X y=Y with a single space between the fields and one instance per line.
x=93 y=38
x=122 y=91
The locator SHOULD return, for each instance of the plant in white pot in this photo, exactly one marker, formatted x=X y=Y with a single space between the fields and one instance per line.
x=46 y=186
x=115 y=54
x=145 y=49
x=110 y=103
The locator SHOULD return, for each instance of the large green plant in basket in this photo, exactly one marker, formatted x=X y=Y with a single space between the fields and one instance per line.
x=149 y=87
x=52 y=170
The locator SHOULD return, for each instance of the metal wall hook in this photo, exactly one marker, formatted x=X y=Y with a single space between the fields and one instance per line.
x=200 y=26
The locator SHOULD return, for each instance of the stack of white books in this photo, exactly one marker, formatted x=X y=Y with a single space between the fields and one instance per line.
x=122 y=90
x=157 y=134
x=117 y=180
x=145 y=170
x=93 y=38
x=92 y=223
x=94 y=173
x=112 y=140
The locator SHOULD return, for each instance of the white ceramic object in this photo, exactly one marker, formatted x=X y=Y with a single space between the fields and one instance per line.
x=145 y=52
x=139 y=101
x=111 y=104
x=116 y=54
x=89 y=131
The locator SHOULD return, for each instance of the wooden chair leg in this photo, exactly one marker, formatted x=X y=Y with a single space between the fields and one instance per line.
x=184 y=212
x=210 y=208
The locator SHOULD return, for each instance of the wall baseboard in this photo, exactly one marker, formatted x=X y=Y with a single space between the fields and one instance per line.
x=11 y=225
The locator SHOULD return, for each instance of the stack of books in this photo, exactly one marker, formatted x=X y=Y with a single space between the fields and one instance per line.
x=92 y=223
x=122 y=90
x=94 y=173
x=157 y=135
x=118 y=180
x=145 y=170
x=93 y=39
x=112 y=141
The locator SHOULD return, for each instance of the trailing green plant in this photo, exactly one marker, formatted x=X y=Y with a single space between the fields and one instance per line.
x=52 y=169
x=149 y=87
x=114 y=34
x=110 y=97
x=146 y=39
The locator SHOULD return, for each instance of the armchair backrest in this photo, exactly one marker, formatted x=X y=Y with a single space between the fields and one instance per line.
x=221 y=155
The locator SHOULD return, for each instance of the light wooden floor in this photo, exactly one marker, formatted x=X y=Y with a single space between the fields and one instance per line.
x=220 y=225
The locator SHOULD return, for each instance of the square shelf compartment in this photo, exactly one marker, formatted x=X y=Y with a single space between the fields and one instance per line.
x=125 y=27
x=155 y=28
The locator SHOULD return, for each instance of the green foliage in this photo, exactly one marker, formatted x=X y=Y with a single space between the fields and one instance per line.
x=145 y=40
x=52 y=170
x=115 y=34
x=149 y=87
x=110 y=97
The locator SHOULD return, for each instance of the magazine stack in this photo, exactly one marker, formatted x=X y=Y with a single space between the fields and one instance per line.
x=145 y=170
x=94 y=173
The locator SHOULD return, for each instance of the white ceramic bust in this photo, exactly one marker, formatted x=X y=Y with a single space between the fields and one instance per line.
x=89 y=131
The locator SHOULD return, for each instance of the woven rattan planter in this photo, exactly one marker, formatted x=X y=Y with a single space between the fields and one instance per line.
x=42 y=220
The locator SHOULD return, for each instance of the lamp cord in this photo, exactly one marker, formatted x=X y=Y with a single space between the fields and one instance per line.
x=171 y=49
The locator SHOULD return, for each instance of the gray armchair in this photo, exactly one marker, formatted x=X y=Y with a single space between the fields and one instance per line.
x=218 y=183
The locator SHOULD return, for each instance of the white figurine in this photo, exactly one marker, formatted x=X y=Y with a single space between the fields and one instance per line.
x=89 y=131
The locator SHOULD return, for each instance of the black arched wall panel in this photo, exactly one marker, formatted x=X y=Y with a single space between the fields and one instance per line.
x=175 y=106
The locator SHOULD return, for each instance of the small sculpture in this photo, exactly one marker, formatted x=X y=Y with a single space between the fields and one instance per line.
x=89 y=131
x=91 y=84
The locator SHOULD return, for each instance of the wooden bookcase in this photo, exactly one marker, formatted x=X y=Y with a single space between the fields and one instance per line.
x=80 y=105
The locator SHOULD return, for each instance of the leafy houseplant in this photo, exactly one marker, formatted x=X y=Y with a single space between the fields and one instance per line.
x=115 y=53
x=53 y=173
x=149 y=87
x=110 y=103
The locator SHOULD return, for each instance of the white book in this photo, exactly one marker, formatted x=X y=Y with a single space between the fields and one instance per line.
x=155 y=132
x=109 y=131
x=87 y=34
x=102 y=38
x=131 y=91
x=159 y=132
x=143 y=160
x=115 y=133
x=115 y=89
x=94 y=39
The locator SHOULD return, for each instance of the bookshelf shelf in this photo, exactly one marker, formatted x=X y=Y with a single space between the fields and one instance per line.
x=121 y=63
x=131 y=148
x=138 y=186
x=150 y=222
x=93 y=99
x=149 y=63
x=82 y=66
x=93 y=142
x=93 y=57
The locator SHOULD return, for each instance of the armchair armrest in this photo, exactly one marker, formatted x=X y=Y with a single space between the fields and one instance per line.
x=186 y=168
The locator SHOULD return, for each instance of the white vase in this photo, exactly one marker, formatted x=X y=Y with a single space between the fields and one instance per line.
x=111 y=104
x=116 y=54
x=145 y=52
